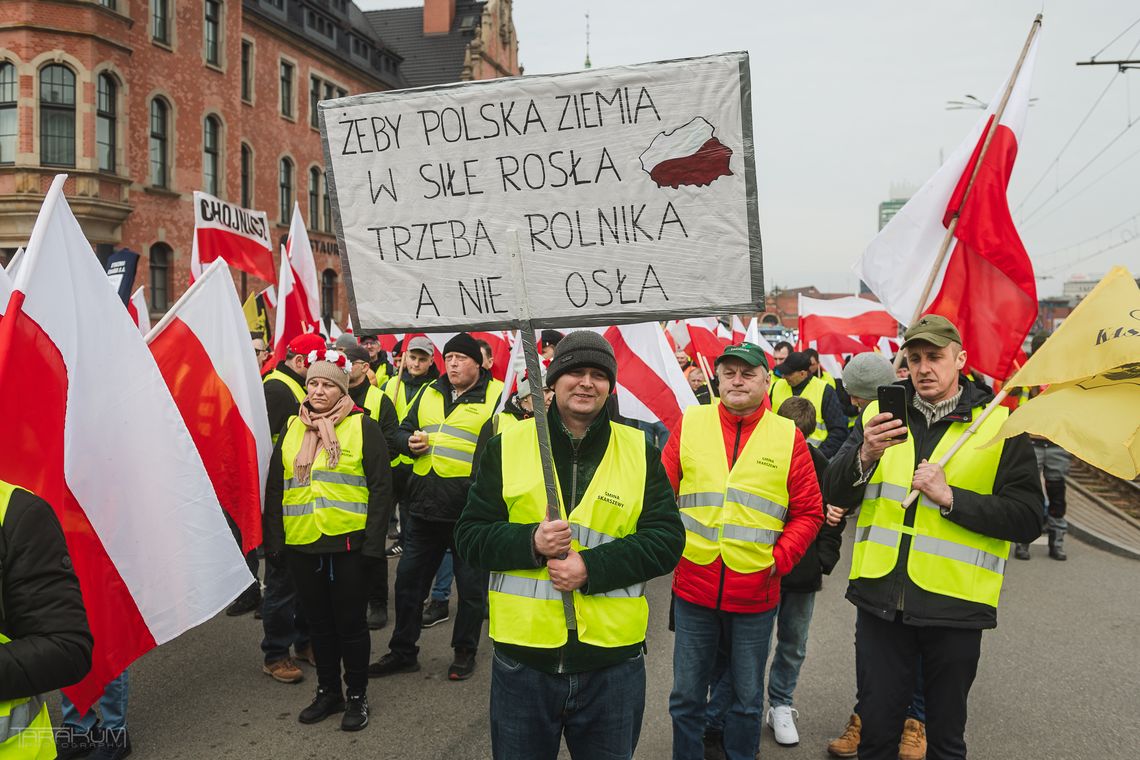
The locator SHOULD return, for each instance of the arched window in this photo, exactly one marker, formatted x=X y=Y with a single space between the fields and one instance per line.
x=160 y=255
x=285 y=188
x=326 y=218
x=314 y=198
x=159 y=139
x=57 y=116
x=246 y=176
x=328 y=294
x=105 y=121
x=211 y=165
x=9 y=91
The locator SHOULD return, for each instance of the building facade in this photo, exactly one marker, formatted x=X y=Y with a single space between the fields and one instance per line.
x=141 y=102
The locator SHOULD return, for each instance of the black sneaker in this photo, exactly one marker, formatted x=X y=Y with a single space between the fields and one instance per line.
x=326 y=703
x=391 y=664
x=395 y=550
x=435 y=613
x=355 y=713
x=72 y=743
x=463 y=666
x=115 y=744
x=377 y=616
x=249 y=601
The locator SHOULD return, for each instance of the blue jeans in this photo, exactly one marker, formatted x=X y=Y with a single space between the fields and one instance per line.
x=281 y=617
x=441 y=591
x=112 y=706
x=599 y=711
x=792 y=624
x=917 y=709
x=699 y=631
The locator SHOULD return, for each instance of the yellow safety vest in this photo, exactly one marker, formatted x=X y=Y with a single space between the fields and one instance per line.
x=373 y=401
x=526 y=609
x=504 y=421
x=402 y=405
x=944 y=558
x=293 y=385
x=813 y=392
x=25 y=725
x=737 y=514
x=452 y=438
x=335 y=500
x=826 y=377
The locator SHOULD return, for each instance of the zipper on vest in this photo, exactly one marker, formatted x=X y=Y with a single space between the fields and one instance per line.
x=723 y=569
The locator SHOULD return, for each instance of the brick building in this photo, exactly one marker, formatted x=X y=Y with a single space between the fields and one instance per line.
x=141 y=102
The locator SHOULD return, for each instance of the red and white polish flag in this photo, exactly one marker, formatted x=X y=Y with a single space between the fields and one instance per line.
x=291 y=313
x=202 y=350
x=705 y=338
x=14 y=262
x=92 y=429
x=300 y=253
x=986 y=284
x=139 y=311
x=650 y=385
x=234 y=234
x=754 y=336
x=821 y=318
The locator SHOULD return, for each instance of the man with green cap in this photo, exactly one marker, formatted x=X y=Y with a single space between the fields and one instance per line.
x=926 y=578
x=750 y=502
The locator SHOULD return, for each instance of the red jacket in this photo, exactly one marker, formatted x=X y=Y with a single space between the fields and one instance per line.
x=719 y=587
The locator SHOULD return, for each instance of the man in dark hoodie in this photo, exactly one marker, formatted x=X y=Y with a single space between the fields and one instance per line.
x=926 y=578
x=439 y=433
x=619 y=528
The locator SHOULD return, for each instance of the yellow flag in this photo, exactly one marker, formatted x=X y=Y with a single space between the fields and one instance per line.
x=1092 y=367
x=256 y=316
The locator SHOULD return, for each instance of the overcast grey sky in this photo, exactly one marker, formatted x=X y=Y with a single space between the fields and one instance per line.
x=849 y=101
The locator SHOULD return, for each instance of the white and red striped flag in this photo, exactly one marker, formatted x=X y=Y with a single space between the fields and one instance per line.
x=836 y=325
x=650 y=385
x=705 y=338
x=93 y=430
x=300 y=253
x=202 y=348
x=986 y=285
x=227 y=231
x=139 y=311
x=291 y=314
x=754 y=336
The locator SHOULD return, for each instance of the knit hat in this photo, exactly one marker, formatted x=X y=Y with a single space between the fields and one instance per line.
x=461 y=344
x=582 y=348
x=865 y=373
x=346 y=340
x=306 y=343
x=329 y=365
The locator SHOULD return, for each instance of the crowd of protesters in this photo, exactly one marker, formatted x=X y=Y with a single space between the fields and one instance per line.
x=745 y=503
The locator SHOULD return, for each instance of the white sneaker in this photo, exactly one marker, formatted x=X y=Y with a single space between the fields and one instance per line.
x=782 y=720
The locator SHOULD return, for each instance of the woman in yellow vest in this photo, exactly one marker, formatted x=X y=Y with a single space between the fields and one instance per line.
x=327 y=501
x=45 y=643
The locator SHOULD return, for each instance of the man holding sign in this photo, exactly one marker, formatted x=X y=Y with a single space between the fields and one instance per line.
x=926 y=578
x=619 y=528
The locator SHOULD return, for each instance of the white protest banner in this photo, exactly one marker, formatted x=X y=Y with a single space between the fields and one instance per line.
x=239 y=236
x=629 y=192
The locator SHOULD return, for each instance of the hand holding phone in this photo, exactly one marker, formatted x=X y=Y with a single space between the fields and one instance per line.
x=892 y=401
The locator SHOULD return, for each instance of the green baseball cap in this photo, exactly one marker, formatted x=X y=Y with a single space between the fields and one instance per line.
x=749 y=353
x=932 y=328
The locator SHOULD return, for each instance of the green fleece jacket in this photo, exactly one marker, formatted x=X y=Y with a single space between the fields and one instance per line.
x=485 y=536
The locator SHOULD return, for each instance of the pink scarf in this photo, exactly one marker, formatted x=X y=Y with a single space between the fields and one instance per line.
x=320 y=433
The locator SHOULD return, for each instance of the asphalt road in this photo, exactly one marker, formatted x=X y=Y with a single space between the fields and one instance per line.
x=1059 y=678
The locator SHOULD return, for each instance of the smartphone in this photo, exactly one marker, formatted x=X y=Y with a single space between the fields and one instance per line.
x=892 y=400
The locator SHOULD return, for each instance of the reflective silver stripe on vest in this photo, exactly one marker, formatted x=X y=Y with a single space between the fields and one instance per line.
x=20 y=718
x=532 y=588
x=299 y=510
x=758 y=503
x=815 y=442
x=700 y=499
x=885 y=491
x=337 y=478
x=588 y=537
x=940 y=547
x=704 y=531
x=629 y=592
x=752 y=535
x=877 y=535
x=452 y=431
x=446 y=453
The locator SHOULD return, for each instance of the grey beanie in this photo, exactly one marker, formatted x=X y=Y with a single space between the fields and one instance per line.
x=865 y=373
x=346 y=340
x=582 y=348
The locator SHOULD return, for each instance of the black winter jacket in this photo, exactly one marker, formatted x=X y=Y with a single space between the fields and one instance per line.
x=41 y=607
x=378 y=474
x=430 y=497
x=279 y=399
x=1013 y=512
x=823 y=553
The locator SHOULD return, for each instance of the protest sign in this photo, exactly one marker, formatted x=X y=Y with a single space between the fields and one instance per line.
x=239 y=236
x=630 y=194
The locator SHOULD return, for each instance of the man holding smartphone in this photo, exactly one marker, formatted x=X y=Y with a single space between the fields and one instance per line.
x=926 y=579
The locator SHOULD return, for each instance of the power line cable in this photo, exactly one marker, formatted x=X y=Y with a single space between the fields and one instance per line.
x=1114 y=39
x=1054 y=269
x=1086 y=188
x=1089 y=239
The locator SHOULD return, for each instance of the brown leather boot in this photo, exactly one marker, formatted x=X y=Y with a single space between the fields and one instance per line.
x=912 y=743
x=847 y=745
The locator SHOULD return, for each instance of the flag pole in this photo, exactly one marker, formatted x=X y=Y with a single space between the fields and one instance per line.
x=704 y=365
x=1000 y=397
x=953 y=225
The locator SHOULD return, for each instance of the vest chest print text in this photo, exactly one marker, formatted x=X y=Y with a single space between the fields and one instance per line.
x=611 y=499
x=767 y=462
